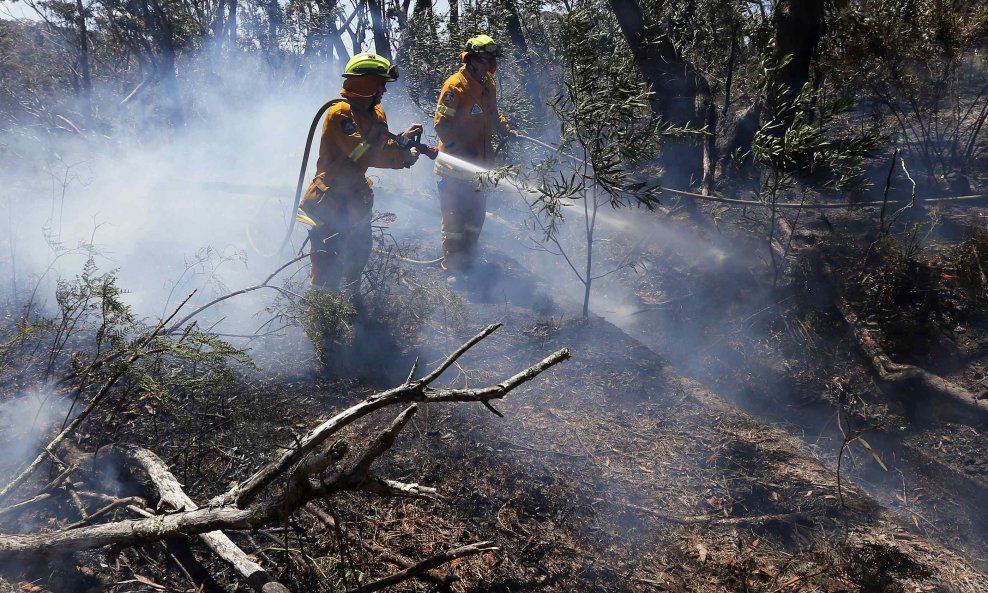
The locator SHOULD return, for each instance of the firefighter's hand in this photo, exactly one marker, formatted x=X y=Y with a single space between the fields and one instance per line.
x=412 y=131
x=431 y=151
x=514 y=134
x=411 y=156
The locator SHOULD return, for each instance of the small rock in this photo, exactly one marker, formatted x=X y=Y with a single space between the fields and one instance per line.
x=959 y=329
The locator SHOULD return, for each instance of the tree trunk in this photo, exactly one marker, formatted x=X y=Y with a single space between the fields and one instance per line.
x=705 y=103
x=86 y=90
x=674 y=82
x=324 y=36
x=381 y=44
x=273 y=10
x=218 y=26
x=174 y=114
x=421 y=13
x=515 y=33
x=336 y=38
x=798 y=26
x=533 y=85
x=357 y=34
x=231 y=23
x=161 y=33
x=454 y=19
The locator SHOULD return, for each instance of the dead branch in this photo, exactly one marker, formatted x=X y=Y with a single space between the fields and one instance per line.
x=716 y=519
x=43 y=495
x=897 y=378
x=178 y=324
x=236 y=509
x=409 y=392
x=120 y=502
x=385 y=487
x=170 y=494
x=452 y=358
x=425 y=565
x=134 y=531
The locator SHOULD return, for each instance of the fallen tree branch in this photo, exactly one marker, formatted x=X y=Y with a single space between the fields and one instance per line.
x=434 y=575
x=134 y=531
x=385 y=487
x=120 y=502
x=826 y=205
x=425 y=565
x=409 y=392
x=170 y=494
x=897 y=378
x=716 y=519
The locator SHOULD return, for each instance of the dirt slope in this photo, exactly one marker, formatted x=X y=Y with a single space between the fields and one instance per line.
x=615 y=473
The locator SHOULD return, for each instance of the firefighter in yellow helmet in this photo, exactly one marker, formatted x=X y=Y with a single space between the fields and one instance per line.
x=466 y=117
x=339 y=200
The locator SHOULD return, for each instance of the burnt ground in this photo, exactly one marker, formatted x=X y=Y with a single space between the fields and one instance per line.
x=613 y=471
x=786 y=355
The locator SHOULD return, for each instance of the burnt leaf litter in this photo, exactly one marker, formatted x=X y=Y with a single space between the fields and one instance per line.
x=611 y=472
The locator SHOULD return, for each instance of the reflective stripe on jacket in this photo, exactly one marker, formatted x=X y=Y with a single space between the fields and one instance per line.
x=352 y=141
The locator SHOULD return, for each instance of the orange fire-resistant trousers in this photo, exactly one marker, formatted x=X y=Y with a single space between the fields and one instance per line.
x=463 y=208
x=341 y=243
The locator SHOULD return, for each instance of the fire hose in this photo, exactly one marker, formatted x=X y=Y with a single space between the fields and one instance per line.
x=555 y=149
x=757 y=203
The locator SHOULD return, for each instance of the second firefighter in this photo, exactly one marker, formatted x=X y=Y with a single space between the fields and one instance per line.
x=466 y=118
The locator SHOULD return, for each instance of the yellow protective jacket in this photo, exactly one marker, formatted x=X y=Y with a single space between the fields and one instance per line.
x=353 y=141
x=466 y=117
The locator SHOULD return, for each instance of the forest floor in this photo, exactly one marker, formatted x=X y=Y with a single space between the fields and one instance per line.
x=690 y=445
x=788 y=357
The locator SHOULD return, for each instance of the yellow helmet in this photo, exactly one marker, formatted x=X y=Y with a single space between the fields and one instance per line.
x=371 y=63
x=484 y=44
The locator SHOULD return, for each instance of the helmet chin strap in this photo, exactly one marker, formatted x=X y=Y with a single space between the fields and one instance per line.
x=473 y=69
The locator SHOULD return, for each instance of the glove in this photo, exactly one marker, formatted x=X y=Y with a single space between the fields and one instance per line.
x=409 y=136
x=411 y=157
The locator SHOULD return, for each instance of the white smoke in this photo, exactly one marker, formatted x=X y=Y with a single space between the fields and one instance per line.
x=25 y=422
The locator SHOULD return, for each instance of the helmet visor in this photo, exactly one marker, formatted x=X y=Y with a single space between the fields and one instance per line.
x=491 y=47
x=389 y=74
